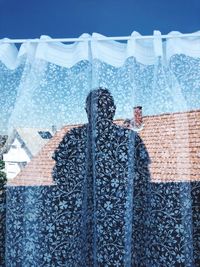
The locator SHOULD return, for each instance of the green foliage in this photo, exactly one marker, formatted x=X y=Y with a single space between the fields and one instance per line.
x=3 y=178
x=2 y=164
x=3 y=139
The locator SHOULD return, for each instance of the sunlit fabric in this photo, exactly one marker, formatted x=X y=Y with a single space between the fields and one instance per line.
x=102 y=153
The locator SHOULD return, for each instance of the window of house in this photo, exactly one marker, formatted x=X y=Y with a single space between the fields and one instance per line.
x=45 y=134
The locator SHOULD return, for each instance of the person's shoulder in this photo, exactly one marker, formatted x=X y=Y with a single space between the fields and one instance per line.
x=75 y=132
x=72 y=137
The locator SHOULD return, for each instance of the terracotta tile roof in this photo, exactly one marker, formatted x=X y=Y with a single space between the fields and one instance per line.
x=173 y=143
x=172 y=140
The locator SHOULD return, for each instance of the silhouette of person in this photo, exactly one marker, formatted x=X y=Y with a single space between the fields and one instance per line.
x=101 y=170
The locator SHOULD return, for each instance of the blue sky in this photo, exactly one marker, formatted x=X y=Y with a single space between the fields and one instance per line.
x=70 y=18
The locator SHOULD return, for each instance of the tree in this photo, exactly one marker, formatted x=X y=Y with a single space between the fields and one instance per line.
x=3 y=178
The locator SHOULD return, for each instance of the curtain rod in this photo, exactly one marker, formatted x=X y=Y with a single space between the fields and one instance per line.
x=118 y=38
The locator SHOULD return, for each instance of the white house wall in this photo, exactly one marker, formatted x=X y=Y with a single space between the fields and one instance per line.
x=15 y=155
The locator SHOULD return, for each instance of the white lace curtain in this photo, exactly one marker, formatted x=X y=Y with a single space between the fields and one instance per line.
x=47 y=79
x=103 y=192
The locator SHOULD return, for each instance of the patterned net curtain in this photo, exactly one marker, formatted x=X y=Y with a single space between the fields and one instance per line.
x=102 y=153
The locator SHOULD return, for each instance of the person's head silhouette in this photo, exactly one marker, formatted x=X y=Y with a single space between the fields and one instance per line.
x=100 y=105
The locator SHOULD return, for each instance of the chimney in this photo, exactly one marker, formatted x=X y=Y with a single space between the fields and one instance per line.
x=137 y=117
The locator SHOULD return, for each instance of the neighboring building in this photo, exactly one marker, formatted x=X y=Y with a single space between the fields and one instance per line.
x=22 y=146
x=172 y=141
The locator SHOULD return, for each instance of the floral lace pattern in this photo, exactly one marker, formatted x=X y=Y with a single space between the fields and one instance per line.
x=2 y=222
x=50 y=233
x=104 y=211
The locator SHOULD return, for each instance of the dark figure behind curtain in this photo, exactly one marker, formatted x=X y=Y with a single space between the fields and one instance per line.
x=102 y=168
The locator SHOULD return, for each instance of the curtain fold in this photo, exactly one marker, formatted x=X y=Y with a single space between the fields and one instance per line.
x=102 y=153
